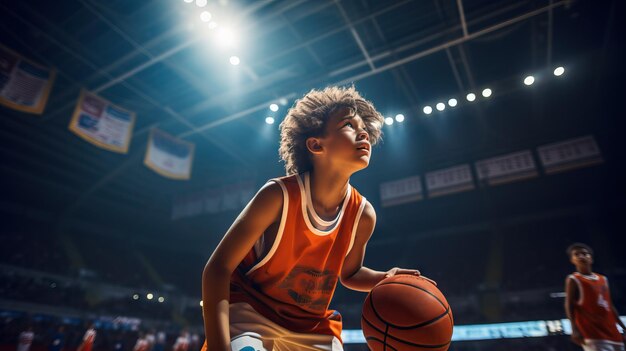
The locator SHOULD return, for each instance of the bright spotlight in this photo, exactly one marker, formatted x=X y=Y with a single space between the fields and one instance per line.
x=452 y=102
x=201 y=304
x=274 y=107
x=487 y=92
x=427 y=110
x=149 y=296
x=189 y=1
x=136 y=297
x=440 y=106
x=234 y=60
x=225 y=37
x=471 y=97
x=269 y=120
x=161 y=299
x=212 y=25
x=201 y=3
x=559 y=71
x=388 y=121
x=400 y=118
x=205 y=16
x=283 y=101
x=529 y=80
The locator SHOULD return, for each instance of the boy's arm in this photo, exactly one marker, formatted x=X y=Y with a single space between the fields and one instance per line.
x=258 y=215
x=571 y=296
x=353 y=275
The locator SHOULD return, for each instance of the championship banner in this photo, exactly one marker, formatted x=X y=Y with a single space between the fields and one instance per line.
x=169 y=156
x=101 y=123
x=506 y=168
x=215 y=200
x=400 y=191
x=24 y=85
x=449 y=180
x=570 y=154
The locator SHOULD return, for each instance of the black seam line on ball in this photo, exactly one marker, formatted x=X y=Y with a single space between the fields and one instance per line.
x=400 y=340
x=380 y=341
x=423 y=323
x=385 y=341
x=371 y=298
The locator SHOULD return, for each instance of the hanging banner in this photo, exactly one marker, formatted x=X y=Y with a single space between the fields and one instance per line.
x=506 y=168
x=400 y=191
x=169 y=156
x=449 y=180
x=570 y=154
x=102 y=123
x=24 y=85
x=214 y=200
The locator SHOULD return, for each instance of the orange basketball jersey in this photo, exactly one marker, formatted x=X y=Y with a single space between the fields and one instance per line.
x=593 y=314
x=291 y=279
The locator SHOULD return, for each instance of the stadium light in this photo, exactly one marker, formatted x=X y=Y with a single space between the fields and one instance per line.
x=440 y=106
x=529 y=80
x=136 y=297
x=471 y=97
x=559 y=71
x=388 y=121
x=205 y=16
x=161 y=299
x=487 y=92
x=428 y=110
x=149 y=296
x=399 y=118
x=234 y=60
x=274 y=107
x=269 y=120
x=452 y=102
x=201 y=3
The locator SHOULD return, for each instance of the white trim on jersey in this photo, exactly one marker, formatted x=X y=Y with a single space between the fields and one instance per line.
x=303 y=197
x=357 y=219
x=281 y=228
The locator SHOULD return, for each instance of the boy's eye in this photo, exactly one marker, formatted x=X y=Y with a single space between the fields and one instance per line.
x=348 y=124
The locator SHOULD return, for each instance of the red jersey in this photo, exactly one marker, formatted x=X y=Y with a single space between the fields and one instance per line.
x=593 y=314
x=292 y=279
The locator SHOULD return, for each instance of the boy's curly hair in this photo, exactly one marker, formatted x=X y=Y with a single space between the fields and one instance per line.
x=308 y=116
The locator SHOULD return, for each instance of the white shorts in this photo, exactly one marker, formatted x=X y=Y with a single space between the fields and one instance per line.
x=250 y=331
x=602 y=345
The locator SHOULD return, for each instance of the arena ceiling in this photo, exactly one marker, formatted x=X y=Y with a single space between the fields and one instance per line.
x=158 y=59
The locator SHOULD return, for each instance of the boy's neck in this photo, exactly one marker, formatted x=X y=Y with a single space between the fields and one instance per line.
x=586 y=270
x=328 y=190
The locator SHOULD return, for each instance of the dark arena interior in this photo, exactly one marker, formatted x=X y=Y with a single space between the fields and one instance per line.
x=133 y=133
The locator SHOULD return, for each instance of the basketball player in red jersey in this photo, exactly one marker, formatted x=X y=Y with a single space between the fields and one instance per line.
x=588 y=305
x=268 y=284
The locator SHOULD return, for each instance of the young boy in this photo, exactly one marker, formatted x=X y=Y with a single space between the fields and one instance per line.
x=588 y=305
x=269 y=282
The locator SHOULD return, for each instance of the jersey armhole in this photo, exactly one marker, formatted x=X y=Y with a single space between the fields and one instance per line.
x=357 y=219
x=281 y=228
x=580 y=289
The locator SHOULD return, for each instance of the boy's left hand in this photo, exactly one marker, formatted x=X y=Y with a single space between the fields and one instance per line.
x=396 y=270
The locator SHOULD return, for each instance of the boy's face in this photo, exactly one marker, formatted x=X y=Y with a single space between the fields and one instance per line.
x=346 y=141
x=581 y=257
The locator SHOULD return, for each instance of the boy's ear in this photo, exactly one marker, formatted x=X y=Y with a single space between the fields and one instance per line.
x=314 y=145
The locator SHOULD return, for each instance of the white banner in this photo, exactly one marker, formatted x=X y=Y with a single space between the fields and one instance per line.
x=449 y=180
x=570 y=154
x=102 y=123
x=169 y=156
x=400 y=191
x=24 y=85
x=506 y=168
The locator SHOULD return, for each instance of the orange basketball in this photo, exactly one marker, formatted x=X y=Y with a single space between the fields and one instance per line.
x=406 y=313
